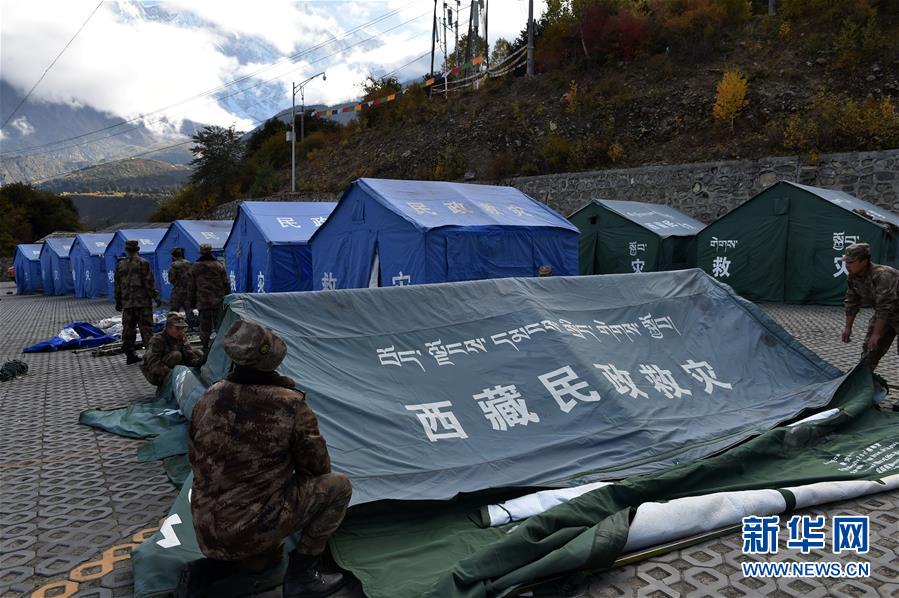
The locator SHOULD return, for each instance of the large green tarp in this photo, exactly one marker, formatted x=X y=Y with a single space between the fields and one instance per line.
x=619 y=237
x=785 y=244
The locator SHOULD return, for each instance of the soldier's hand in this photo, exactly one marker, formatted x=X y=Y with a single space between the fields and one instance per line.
x=172 y=358
x=873 y=342
x=847 y=335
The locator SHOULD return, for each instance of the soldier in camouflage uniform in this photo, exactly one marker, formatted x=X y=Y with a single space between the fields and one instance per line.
x=874 y=285
x=168 y=349
x=179 y=278
x=208 y=286
x=265 y=474
x=135 y=291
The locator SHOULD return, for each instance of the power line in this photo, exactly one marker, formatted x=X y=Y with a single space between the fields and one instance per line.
x=208 y=92
x=47 y=70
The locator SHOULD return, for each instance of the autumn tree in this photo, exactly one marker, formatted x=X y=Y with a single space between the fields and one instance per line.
x=730 y=97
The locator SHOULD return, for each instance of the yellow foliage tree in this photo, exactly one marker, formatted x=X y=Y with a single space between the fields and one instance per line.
x=730 y=97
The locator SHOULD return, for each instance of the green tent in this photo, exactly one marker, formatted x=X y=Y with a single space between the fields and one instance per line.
x=620 y=237
x=785 y=244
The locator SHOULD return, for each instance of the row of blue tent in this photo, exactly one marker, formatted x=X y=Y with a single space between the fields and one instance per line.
x=397 y=233
x=381 y=233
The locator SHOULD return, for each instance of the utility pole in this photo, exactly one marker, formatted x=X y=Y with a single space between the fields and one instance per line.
x=772 y=8
x=456 y=48
x=530 y=38
x=433 y=37
x=293 y=124
x=486 y=39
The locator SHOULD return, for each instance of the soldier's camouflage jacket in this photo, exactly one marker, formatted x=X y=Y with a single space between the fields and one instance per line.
x=153 y=367
x=253 y=439
x=209 y=283
x=877 y=286
x=179 y=278
x=134 y=283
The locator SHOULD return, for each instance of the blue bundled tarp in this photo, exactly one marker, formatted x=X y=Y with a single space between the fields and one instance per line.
x=77 y=335
x=268 y=251
x=88 y=265
x=397 y=233
x=27 y=264
x=147 y=238
x=189 y=235
x=56 y=269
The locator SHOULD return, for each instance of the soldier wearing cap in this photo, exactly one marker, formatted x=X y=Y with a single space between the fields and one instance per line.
x=168 y=349
x=875 y=285
x=544 y=271
x=179 y=275
x=208 y=285
x=135 y=291
x=261 y=469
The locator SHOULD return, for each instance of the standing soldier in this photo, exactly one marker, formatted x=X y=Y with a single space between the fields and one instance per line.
x=874 y=285
x=179 y=278
x=135 y=291
x=209 y=284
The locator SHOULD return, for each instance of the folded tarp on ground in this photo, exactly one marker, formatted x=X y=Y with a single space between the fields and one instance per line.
x=495 y=388
x=77 y=335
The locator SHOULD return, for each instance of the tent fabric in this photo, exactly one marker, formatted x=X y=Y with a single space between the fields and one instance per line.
x=27 y=264
x=268 y=251
x=56 y=268
x=89 y=265
x=417 y=353
x=400 y=233
x=619 y=237
x=148 y=238
x=785 y=244
x=77 y=335
x=189 y=235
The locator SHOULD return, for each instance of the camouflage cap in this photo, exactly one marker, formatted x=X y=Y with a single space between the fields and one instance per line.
x=250 y=345
x=544 y=271
x=205 y=248
x=132 y=245
x=857 y=251
x=177 y=251
x=175 y=319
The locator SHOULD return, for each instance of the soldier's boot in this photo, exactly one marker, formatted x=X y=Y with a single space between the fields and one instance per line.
x=131 y=358
x=195 y=579
x=304 y=580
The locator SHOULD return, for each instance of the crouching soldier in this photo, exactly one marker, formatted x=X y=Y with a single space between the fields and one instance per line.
x=168 y=349
x=261 y=472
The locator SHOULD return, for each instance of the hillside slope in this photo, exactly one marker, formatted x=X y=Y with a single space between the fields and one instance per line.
x=134 y=175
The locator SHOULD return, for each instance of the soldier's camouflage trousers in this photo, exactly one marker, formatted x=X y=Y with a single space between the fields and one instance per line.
x=209 y=322
x=873 y=357
x=323 y=501
x=178 y=302
x=132 y=318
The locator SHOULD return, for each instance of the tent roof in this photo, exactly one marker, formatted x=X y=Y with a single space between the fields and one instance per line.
x=267 y=216
x=149 y=237
x=440 y=203
x=850 y=203
x=31 y=251
x=663 y=220
x=61 y=246
x=135 y=225
x=95 y=243
x=214 y=232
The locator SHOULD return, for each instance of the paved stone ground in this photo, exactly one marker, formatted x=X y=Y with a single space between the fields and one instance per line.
x=69 y=493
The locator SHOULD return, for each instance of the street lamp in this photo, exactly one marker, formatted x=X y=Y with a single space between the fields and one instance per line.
x=293 y=125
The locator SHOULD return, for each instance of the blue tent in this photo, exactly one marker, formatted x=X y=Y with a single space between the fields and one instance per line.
x=88 y=265
x=28 y=268
x=189 y=235
x=268 y=251
x=148 y=238
x=55 y=267
x=389 y=232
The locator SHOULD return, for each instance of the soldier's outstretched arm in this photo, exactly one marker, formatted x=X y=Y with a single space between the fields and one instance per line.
x=150 y=281
x=310 y=453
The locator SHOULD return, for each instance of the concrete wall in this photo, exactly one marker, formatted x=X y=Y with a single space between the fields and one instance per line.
x=708 y=190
